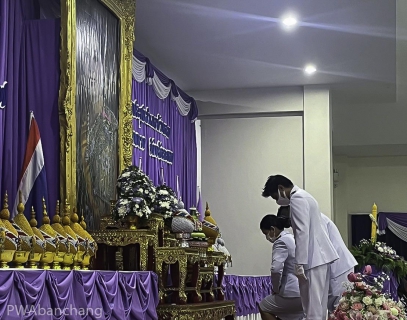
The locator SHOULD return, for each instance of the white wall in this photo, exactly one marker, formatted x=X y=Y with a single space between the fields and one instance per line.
x=238 y=155
x=242 y=145
x=364 y=181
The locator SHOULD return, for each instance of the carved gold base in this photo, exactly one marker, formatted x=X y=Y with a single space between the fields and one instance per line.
x=86 y=262
x=5 y=257
x=198 y=311
x=20 y=258
x=68 y=261
x=46 y=259
x=34 y=260
x=56 y=266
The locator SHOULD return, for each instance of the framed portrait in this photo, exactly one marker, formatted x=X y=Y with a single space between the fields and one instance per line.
x=95 y=102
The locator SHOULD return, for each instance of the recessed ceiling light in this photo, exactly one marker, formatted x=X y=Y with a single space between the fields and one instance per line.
x=310 y=69
x=290 y=21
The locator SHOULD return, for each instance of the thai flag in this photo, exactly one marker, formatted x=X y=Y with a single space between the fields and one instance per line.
x=33 y=180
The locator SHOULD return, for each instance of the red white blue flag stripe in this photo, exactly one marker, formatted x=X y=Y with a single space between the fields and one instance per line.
x=33 y=180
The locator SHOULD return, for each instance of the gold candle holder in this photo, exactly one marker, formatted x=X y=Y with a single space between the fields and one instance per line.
x=51 y=241
x=24 y=246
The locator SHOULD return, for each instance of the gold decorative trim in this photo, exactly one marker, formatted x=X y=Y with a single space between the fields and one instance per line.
x=199 y=311
x=125 y=11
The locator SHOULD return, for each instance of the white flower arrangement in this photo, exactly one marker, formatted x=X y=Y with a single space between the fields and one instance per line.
x=165 y=202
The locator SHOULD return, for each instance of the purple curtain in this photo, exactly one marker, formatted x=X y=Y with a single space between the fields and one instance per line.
x=246 y=291
x=32 y=71
x=77 y=295
x=182 y=142
x=399 y=218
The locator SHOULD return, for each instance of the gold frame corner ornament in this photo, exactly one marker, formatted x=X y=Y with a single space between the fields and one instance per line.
x=125 y=11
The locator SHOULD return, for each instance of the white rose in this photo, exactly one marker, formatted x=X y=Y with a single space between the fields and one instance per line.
x=380 y=249
x=126 y=174
x=378 y=301
x=121 y=210
x=137 y=206
x=163 y=192
x=367 y=301
x=125 y=201
x=355 y=299
x=140 y=190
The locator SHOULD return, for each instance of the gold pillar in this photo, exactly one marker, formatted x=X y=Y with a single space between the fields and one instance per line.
x=374 y=223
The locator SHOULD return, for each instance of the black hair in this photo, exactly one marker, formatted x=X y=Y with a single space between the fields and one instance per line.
x=272 y=220
x=284 y=212
x=272 y=184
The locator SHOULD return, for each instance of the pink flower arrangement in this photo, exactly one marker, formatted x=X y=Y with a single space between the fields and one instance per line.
x=364 y=300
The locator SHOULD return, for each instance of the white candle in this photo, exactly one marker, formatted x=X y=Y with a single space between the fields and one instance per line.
x=162 y=176
x=139 y=163
x=178 y=187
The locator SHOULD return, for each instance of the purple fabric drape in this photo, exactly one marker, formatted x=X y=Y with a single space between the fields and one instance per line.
x=32 y=60
x=182 y=142
x=246 y=292
x=399 y=218
x=78 y=295
x=390 y=286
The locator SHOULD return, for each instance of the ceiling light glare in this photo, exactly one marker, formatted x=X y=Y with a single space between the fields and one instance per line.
x=290 y=21
x=310 y=69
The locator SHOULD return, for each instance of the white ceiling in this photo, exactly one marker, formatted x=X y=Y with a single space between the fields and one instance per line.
x=358 y=46
x=212 y=45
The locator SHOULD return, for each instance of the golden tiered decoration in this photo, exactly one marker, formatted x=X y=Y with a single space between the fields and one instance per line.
x=9 y=245
x=38 y=242
x=85 y=248
x=50 y=238
x=25 y=236
x=72 y=239
x=64 y=254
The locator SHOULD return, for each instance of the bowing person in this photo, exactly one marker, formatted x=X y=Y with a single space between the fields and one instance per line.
x=339 y=268
x=314 y=251
x=284 y=302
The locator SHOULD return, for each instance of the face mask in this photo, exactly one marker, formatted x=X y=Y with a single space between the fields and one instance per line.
x=282 y=199
x=273 y=238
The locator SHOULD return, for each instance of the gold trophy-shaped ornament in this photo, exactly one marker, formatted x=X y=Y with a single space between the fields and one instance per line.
x=9 y=246
x=210 y=228
x=92 y=249
x=62 y=254
x=38 y=244
x=72 y=238
x=83 y=240
x=25 y=235
x=51 y=240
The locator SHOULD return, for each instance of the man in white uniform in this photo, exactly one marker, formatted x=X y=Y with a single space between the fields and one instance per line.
x=339 y=268
x=314 y=251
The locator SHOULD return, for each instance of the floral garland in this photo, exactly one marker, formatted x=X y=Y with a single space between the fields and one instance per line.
x=363 y=299
x=165 y=202
x=136 y=193
x=380 y=255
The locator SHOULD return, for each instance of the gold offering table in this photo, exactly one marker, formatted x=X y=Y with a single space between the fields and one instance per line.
x=185 y=274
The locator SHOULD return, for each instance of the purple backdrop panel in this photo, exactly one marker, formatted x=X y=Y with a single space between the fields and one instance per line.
x=77 y=295
x=179 y=139
x=246 y=292
x=399 y=218
x=32 y=73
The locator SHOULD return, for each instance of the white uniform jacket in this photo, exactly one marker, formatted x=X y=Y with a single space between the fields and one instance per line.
x=346 y=260
x=283 y=279
x=313 y=246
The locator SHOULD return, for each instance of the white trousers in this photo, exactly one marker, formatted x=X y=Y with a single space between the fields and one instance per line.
x=314 y=292
x=336 y=289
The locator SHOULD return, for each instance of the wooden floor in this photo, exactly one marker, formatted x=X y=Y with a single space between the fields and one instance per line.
x=216 y=310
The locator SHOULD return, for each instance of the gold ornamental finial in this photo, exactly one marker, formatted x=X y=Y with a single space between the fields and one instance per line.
x=65 y=219
x=83 y=223
x=56 y=218
x=207 y=211
x=74 y=216
x=45 y=218
x=33 y=221
x=20 y=207
x=5 y=213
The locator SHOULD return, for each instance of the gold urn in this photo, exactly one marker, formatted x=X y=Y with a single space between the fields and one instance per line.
x=26 y=244
x=86 y=241
x=50 y=240
x=63 y=254
x=77 y=255
x=38 y=244
x=209 y=227
x=8 y=238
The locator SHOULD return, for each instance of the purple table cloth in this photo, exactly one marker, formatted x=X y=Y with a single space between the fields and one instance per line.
x=246 y=292
x=390 y=286
x=77 y=295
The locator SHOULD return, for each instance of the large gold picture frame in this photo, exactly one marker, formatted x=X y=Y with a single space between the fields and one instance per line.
x=125 y=11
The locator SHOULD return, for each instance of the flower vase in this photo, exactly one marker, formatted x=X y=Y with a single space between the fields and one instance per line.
x=132 y=222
